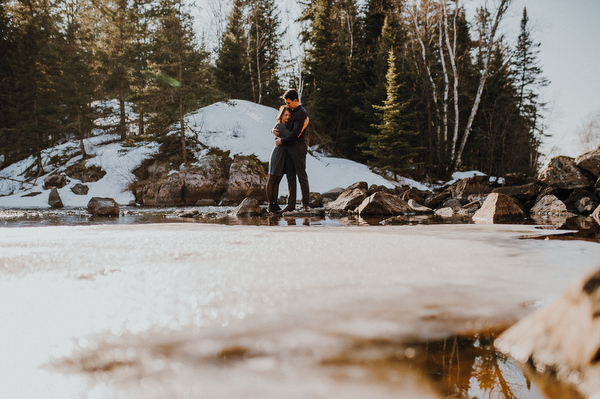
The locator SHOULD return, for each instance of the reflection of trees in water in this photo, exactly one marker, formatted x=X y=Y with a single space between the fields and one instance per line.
x=459 y=362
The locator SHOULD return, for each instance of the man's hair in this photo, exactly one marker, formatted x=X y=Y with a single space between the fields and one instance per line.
x=291 y=94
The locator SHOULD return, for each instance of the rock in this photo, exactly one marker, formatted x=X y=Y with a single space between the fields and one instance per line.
x=470 y=185
x=582 y=202
x=417 y=208
x=86 y=174
x=205 y=202
x=316 y=200
x=562 y=172
x=523 y=193
x=590 y=161
x=596 y=214
x=375 y=188
x=434 y=201
x=382 y=203
x=515 y=179
x=247 y=178
x=80 y=189
x=444 y=212
x=469 y=209
x=170 y=192
x=549 y=205
x=98 y=206
x=499 y=208
x=54 y=199
x=332 y=194
x=58 y=181
x=350 y=198
x=562 y=339
x=247 y=208
x=186 y=213
x=452 y=203
x=415 y=194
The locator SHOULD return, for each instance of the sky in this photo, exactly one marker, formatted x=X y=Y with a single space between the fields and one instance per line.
x=569 y=34
x=569 y=57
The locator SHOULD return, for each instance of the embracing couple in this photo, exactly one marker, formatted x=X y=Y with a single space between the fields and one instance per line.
x=289 y=154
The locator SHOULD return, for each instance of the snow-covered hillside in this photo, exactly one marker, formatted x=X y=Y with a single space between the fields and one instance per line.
x=241 y=127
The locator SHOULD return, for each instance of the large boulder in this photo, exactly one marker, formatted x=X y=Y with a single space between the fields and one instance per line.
x=549 y=205
x=58 y=181
x=98 y=206
x=54 y=199
x=498 y=207
x=562 y=339
x=470 y=185
x=562 y=172
x=590 y=161
x=350 y=198
x=581 y=202
x=247 y=178
x=524 y=192
x=382 y=203
x=247 y=208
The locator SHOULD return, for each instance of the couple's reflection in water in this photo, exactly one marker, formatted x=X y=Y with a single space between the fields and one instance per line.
x=278 y=219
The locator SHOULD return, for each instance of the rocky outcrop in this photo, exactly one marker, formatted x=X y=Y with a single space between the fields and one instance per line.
x=563 y=339
x=563 y=172
x=499 y=208
x=382 y=203
x=103 y=207
x=350 y=198
x=590 y=162
x=54 y=199
x=247 y=178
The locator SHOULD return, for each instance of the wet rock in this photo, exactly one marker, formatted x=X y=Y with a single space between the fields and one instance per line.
x=315 y=200
x=562 y=339
x=470 y=185
x=470 y=209
x=417 y=208
x=499 y=208
x=590 y=161
x=562 y=172
x=80 y=189
x=54 y=199
x=58 y=181
x=247 y=208
x=549 y=205
x=99 y=206
x=382 y=203
x=350 y=198
x=582 y=202
x=186 y=213
x=445 y=211
x=247 y=178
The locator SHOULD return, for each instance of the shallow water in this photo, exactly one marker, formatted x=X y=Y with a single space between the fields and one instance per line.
x=114 y=309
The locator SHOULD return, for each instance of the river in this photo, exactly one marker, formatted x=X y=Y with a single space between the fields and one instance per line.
x=282 y=308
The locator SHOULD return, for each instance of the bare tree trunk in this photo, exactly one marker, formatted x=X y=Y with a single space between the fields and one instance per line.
x=486 y=67
x=452 y=55
x=446 y=88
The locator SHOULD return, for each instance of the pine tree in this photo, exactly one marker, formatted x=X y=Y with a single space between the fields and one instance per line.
x=393 y=146
x=264 y=52
x=528 y=79
x=232 y=74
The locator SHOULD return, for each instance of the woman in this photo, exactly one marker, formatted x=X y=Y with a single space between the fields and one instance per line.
x=277 y=160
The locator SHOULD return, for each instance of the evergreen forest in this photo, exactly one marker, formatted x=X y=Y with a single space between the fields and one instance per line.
x=409 y=87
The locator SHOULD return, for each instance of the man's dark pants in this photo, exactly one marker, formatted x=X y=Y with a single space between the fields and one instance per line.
x=295 y=165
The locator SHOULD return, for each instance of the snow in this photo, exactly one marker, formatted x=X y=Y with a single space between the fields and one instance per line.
x=239 y=126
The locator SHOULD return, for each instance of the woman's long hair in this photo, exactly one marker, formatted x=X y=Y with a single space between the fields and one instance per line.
x=282 y=110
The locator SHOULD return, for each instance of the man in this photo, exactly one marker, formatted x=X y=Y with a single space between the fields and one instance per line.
x=296 y=150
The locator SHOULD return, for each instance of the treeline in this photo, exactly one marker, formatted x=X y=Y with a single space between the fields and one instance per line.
x=401 y=85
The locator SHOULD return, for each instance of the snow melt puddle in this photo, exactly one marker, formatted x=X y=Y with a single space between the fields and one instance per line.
x=220 y=311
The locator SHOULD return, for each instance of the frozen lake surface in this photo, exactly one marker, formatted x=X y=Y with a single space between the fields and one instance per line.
x=193 y=310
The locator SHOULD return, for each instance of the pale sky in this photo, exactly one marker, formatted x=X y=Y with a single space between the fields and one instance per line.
x=569 y=34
